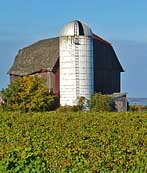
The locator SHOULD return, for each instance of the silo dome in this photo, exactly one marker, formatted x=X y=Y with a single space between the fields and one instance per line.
x=74 y=28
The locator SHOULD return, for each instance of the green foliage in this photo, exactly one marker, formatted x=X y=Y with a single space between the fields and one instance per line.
x=81 y=142
x=75 y=108
x=1 y=108
x=27 y=161
x=68 y=109
x=100 y=103
x=81 y=101
x=28 y=93
x=137 y=108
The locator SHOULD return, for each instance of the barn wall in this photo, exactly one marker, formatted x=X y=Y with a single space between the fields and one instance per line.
x=106 y=82
x=51 y=79
x=47 y=76
x=56 y=88
x=106 y=69
x=13 y=77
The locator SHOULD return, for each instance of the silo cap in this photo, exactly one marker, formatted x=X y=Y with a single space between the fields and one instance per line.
x=74 y=28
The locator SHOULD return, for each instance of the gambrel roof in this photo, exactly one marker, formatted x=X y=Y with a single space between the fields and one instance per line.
x=44 y=54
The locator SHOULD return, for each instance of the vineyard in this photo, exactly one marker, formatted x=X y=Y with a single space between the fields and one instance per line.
x=82 y=142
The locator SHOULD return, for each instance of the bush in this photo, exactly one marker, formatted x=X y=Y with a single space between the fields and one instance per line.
x=137 y=108
x=28 y=93
x=68 y=109
x=100 y=103
x=74 y=108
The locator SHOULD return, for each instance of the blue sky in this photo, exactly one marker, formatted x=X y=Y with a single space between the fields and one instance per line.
x=123 y=23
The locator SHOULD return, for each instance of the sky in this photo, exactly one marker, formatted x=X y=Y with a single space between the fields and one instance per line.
x=123 y=23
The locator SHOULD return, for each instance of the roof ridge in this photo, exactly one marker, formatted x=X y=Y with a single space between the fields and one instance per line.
x=101 y=39
x=39 y=41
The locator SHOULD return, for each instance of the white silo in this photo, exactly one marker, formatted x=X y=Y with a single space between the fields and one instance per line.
x=76 y=63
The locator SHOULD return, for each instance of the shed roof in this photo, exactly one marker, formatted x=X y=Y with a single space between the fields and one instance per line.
x=44 y=54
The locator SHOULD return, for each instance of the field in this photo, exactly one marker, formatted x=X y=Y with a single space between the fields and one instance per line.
x=73 y=142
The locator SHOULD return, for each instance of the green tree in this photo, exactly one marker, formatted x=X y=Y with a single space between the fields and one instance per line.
x=28 y=93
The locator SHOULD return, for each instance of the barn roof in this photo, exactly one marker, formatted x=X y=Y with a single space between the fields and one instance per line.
x=41 y=55
x=105 y=57
x=44 y=54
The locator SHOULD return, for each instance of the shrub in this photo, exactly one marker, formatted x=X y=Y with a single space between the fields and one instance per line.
x=28 y=93
x=68 y=108
x=137 y=108
x=100 y=103
x=74 y=108
x=83 y=103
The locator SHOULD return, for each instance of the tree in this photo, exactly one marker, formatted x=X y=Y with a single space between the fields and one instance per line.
x=28 y=93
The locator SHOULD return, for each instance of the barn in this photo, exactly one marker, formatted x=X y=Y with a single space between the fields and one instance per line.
x=43 y=59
